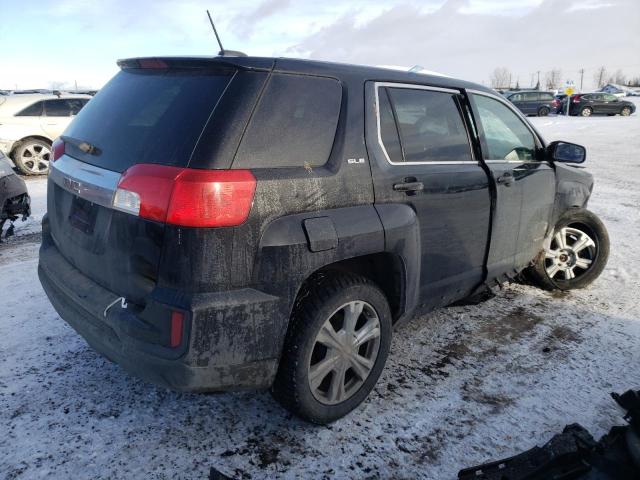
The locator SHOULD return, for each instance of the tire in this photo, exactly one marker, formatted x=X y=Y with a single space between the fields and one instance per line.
x=550 y=269
x=586 y=112
x=325 y=303
x=32 y=157
x=543 y=111
x=625 y=112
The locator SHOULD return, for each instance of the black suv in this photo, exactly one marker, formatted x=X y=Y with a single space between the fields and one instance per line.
x=587 y=104
x=532 y=102
x=231 y=223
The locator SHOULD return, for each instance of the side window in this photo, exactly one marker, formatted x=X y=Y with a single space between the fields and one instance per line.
x=294 y=124
x=516 y=98
x=34 y=110
x=57 y=108
x=504 y=136
x=388 y=127
x=609 y=98
x=531 y=96
x=430 y=126
x=547 y=97
x=76 y=104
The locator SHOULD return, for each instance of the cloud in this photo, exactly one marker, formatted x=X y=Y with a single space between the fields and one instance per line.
x=470 y=46
x=246 y=22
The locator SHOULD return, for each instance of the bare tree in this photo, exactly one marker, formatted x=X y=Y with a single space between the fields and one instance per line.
x=552 y=78
x=619 y=78
x=501 y=78
x=600 y=76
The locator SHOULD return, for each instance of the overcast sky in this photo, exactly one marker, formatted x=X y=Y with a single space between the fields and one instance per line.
x=71 y=40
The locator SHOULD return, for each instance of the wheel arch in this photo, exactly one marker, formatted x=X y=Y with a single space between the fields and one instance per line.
x=17 y=144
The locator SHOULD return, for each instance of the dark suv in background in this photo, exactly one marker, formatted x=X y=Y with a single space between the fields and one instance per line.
x=587 y=104
x=230 y=223
x=532 y=102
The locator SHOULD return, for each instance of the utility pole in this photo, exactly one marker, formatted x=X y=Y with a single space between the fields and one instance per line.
x=538 y=84
x=581 y=71
x=531 y=82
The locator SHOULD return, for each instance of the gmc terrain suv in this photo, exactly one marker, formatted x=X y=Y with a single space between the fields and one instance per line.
x=230 y=223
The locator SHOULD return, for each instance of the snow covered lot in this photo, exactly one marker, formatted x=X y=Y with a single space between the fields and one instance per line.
x=463 y=385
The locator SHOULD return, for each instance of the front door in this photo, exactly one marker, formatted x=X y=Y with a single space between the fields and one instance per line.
x=524 y=183
x=420 y=155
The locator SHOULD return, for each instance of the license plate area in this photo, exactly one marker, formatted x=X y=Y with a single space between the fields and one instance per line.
x=83 y=215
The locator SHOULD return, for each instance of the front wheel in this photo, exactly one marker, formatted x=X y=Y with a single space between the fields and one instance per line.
x=576 y=255
x=586 y=111
x=543 y=112
x=625 y=112
x=336 y=347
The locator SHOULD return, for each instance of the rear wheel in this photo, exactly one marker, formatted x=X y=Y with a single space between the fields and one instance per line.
x=336 y=347
x=543 y=111
x=32 y=157
x=625 y=112
x=576 y=255
x=586 y=111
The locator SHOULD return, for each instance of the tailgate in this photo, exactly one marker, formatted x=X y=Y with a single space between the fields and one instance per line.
x=118 y=251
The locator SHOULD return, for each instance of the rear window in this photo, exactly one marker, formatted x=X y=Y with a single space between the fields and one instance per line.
x=294 y=124
x=34 y=110
x=147 y=116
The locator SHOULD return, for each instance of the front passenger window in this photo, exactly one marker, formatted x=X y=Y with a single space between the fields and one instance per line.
x=504 y=135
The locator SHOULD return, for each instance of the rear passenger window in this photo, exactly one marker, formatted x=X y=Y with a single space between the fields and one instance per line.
x=388 y=128
x=57 y=108
x=430 y=126
x=546 y=96
x=294 y=124
x=34 y=110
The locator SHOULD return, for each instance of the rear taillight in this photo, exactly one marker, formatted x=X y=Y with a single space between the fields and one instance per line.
x=177 y=325
x=576 y=98
x=555 y=102
x=57 y=149
x=186 y=197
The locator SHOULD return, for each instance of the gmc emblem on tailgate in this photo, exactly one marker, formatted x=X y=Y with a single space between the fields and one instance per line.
x=72 y=185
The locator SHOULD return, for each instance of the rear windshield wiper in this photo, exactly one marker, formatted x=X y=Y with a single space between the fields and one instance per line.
x=85 y=147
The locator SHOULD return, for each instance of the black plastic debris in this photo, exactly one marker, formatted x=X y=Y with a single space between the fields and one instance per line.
x=574 y=454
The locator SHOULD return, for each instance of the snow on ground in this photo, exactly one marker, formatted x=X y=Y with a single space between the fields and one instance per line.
x=463 y=385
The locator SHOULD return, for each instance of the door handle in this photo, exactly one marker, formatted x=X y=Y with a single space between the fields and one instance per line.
x=408 y=187
x=505 y=179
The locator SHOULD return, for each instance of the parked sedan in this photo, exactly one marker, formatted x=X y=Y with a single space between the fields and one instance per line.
x=532 y=102
x=30 y=122
x=587 y=104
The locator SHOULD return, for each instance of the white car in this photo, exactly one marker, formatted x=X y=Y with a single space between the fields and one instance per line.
x=30 y=122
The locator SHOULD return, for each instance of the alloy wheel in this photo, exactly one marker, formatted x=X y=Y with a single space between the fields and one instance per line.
x=586 y=112
x=570 y=254
x=344 y=352
x=35 y=158
x=626 y=111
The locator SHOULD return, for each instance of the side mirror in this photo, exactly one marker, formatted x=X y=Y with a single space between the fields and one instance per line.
x=566 y=152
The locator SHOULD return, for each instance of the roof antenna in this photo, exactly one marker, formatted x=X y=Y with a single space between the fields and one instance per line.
x=223 y=52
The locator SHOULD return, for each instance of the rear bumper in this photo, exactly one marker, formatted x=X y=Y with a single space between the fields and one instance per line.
x=229 y=340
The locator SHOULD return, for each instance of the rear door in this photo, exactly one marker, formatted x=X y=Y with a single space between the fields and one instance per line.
x=56 y=117
x=421 y=156
x=524 y=183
